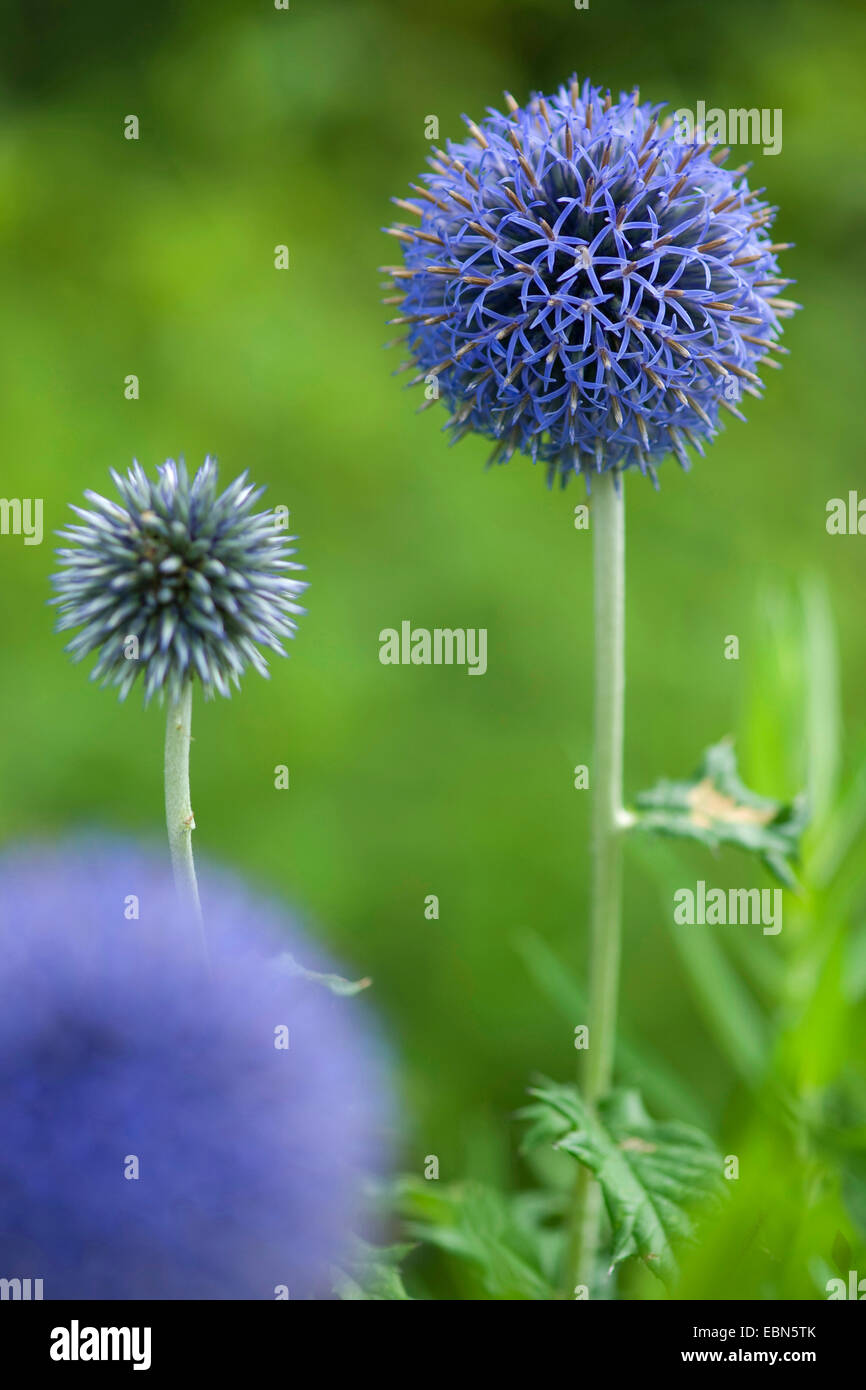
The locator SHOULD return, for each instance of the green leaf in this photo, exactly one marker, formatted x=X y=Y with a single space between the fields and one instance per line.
x=824 y=740
x=371 y=1273
x=839 y=838
x=834 y=1120
x=335 y=983
x=651 y=1174
x=505 y=1238
x=728 y=1006
x=715 y=808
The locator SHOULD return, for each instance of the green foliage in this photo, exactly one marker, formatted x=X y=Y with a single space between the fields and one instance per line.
x=715 y=807
x=833 y=1125
x=785 y=1017
x=652 y=1175
x=506 y=1241
x=728 y=1007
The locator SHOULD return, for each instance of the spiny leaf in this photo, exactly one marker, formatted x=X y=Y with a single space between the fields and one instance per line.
x=371 y=1273
x=651 y=1174
x=715 y=807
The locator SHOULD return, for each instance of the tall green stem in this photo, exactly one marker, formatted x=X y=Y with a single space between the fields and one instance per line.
x=608 y=531
x=178 y=811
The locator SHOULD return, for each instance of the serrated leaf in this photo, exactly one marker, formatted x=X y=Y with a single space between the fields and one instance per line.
x=652 y=1175
x=715 y=807
x=372 y=1273
x=506 y=1238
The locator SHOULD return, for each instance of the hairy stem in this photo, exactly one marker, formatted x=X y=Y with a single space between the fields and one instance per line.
x=178 y=811
x=608 y=530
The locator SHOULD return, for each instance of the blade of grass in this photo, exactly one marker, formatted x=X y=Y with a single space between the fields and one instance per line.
x=635 y=1063
x=823 y=709
x=729 y=1010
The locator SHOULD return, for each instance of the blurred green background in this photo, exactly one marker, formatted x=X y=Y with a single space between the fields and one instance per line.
x=156 y=257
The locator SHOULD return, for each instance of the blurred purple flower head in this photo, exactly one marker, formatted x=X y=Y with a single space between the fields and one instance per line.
x=118 y=1052
x=586 y=287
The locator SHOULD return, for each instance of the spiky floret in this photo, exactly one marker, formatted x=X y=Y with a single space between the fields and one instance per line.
x=197 y=577
x=585 y=286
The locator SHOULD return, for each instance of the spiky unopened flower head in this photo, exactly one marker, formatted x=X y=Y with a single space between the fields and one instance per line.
x=177 y=581
x=168 y=1132
x=587 y=284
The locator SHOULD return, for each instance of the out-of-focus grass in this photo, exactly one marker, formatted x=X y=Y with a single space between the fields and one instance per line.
x=261 y=127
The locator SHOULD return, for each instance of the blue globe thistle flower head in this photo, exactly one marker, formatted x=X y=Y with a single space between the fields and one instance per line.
x=587 y=286
x=155 y=1141
x=176 y=582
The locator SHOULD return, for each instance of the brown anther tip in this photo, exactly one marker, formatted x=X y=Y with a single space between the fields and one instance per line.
x=513 y=198
x=677 y=346
x=649 y=132
x=744 y=373
x=478 y=135
x=527 y=169
x=484 y=231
